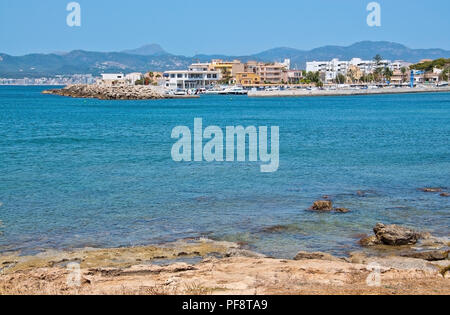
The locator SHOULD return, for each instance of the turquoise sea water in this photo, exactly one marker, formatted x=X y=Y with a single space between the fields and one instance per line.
x=77 y=172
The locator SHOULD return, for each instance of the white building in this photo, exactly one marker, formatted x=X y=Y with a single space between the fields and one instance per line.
x=112 y=79
x=113 y=76
x=194 y=78
x=332 y=68
x=131 y=78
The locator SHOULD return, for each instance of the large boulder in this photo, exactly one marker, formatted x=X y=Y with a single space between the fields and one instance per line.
x=395 y=235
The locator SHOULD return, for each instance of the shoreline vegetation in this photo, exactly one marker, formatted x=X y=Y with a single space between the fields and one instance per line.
x=405 y=261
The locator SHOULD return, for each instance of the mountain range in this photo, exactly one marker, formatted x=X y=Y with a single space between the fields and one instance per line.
x=153 y=57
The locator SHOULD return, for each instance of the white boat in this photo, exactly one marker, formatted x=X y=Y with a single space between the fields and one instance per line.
x=215 y=90
x=234 y=90
x=180 y=92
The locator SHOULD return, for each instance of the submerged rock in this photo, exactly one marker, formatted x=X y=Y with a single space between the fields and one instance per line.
x=369 y=241
x=342 y=210
x=395 y=235
x=235 y=252
x=275 y=229
x=442 y=195
x=431 y=189
x=322 y=205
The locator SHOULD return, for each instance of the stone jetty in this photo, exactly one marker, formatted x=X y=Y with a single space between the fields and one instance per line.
x=101 y=92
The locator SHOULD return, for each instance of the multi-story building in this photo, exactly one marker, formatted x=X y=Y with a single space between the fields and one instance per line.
x=227 y=69
x=294 y=76
x=112 y=79
x=247 y=78
x=190 y=79
x=331 y=69
x=131 y=78
x=269 y=72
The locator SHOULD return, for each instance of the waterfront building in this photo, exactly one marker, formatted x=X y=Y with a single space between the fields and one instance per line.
x=227 y=68
x=269 y=72
x=247 y=78
x=190 y=79
x=131 y=78
x=113 y=79
x=356 y=67
x=398 y=78
x=294 y=76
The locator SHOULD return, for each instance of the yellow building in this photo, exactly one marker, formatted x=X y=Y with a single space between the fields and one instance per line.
x=227 y=69
x=247 y=78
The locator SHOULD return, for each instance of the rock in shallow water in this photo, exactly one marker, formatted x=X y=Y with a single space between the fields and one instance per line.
x=431 y=189
x=395 y=235
x=342 y=210
x=322 y=205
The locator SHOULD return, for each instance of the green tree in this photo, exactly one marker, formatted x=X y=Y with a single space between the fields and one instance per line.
x=378 y=74
x=340 y=78
x=388 y=74
x=403 y=70
x=377 y=59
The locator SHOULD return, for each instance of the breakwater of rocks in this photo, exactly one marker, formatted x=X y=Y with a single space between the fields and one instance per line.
x=135 y=92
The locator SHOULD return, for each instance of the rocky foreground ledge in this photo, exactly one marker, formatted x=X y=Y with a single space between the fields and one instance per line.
x=135 y=92
x=205 y=267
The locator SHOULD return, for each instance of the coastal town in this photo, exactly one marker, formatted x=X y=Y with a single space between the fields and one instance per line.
x=259 y=79
x=253 y=74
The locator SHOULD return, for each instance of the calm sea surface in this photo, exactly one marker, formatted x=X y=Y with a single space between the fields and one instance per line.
x=76 y=172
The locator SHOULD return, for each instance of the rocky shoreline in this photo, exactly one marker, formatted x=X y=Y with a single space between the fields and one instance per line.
x=101 y=92
x=405 y=262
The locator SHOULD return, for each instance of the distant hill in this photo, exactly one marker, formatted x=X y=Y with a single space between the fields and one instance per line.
x=148 y=50
x=154 y=57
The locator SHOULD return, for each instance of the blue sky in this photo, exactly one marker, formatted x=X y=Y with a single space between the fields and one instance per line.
x=236 y=27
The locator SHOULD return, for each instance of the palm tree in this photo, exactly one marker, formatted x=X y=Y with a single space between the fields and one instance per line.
x=403 y=70
x=388 y=74
x=377 y=74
